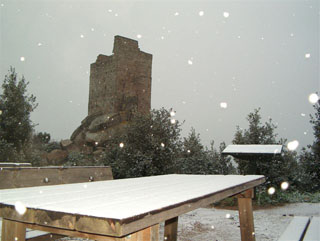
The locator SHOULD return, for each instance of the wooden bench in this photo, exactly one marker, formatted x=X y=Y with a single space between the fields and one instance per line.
x=302 y=228
x=17 y=177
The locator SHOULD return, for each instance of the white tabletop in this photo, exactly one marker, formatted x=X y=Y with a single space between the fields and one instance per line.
x=124 y=198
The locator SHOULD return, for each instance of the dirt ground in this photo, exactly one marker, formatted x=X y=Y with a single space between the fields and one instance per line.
x=212 y=224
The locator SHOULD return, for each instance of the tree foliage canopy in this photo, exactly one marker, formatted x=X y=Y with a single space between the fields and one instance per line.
x=257 y=133
x=149 y=146
x=276 y=169
x=16 y=106
x=310 y=157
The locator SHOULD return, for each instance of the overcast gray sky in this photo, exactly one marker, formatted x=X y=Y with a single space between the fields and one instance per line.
x=247 y=54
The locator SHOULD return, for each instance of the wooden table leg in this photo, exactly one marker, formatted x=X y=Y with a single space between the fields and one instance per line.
x=13 y=231
x=148 y=234
x=246 y=215
x=171 y=229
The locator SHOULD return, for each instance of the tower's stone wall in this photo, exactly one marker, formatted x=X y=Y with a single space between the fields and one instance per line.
x=122 y=81
x=119 y=84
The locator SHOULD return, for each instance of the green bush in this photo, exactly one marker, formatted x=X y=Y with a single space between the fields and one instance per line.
x=52 y=146
x=151 y=146
x=79 y=159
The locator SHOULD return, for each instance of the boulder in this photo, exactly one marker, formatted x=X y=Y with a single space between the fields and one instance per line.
x=73 y=148
x=65 y=143
x=57 y=157
x=86 y=149
x=99 y=122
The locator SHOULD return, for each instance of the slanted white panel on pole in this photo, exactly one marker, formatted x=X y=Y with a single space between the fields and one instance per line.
x=253 y=149
x=295 y=230
x=313 y=231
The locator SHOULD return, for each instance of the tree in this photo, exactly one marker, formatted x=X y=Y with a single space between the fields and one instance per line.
x=41 y=138
x=218 y=163
x=16 y=106
x=315 y=121
x=149 y=145
x=309 y=160
x=275 y=168
x=257 y=132
x=193 y=157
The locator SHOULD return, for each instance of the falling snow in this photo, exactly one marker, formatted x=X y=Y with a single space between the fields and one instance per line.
x=307 y=55
x=223 y=105
x=139 y=36
x=313 y=98
x=271 y=190
x=293 y=145
x=201 y=13
x=284 y=185
x=121 y=145
x=22 y=59
x=190 y=62
x=226 y=14
x=20 y=208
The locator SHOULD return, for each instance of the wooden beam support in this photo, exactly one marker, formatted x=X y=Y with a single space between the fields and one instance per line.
x=171 y=229
x=13 y=231
x=246 y=215
x=147 y=234
x=73 y=233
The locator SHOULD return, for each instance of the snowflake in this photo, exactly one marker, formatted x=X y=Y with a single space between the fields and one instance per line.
x=223 y=105
x=271 y=190
x=313 y=98
x=226 y=14
x=292 y=145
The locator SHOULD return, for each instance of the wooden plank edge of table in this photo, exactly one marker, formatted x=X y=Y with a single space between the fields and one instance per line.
x=150 y=233
x=120 y=228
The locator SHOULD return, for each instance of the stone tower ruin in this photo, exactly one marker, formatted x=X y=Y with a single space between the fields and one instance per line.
x=119 y=84
x=121 y=81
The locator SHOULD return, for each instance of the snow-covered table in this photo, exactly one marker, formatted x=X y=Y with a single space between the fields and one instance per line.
x=126 y=209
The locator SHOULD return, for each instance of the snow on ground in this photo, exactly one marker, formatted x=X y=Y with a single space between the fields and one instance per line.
x=211 y=224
